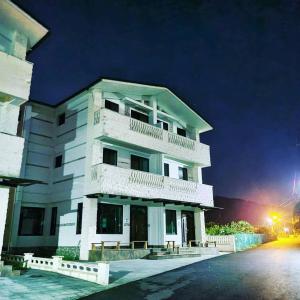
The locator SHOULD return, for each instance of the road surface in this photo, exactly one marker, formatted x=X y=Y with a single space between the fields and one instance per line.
x=271 y=271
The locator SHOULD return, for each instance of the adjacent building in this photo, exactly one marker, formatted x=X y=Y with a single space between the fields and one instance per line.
x=122 y=162
x=18 y=34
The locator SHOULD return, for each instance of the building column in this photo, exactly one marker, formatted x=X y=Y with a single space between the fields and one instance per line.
x=88 y=227
x=200 y=226
x=156 y=226
x=4 y=194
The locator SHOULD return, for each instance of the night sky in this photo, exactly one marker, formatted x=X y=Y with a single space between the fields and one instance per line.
x=235 y=62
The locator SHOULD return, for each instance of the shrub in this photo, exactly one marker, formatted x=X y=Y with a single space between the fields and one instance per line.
x=230 y=228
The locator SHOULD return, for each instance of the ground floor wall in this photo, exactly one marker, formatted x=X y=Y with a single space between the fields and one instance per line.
x=69 y=242
x=4 y=194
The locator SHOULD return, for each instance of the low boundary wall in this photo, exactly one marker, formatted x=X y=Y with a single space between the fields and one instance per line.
x=237 y=242
x=98 y=272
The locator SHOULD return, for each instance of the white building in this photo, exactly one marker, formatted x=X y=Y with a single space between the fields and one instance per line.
x=122 y=161
x=18 y=34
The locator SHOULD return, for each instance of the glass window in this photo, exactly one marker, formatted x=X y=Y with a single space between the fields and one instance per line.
x=165 y=125
x=61 y=119
x=109 y=219
x=112 y=105
x=139 y=163
x=181 y=131
x=31 y=221
x=139 y=116
x=58 y=161
x=166 y=169
x=171 y=222
x=110 y=156
x=53 y=221
x=183 y=174
x=79 y=218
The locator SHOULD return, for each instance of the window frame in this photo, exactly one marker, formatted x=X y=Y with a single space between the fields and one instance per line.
x=79 y=218
x=181 y=131
x=173 y=214
x=139 y=112
x=111 y=150
x=22 y=218
x=168 y=169
x=140 y=157
x=185 y=175
x=61 y=119
x=58 y=161
x=119 y=223
x=159 y=121
x=53 y=221
x=111 y=105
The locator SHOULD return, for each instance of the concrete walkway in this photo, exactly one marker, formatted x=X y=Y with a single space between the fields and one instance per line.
x=43 y=285
x=268 y=272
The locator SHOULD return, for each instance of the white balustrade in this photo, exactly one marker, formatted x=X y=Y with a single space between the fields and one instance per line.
x=146 y=179
x=108 y=179
x=181 y=141
x=147 y=129
x=98 y=272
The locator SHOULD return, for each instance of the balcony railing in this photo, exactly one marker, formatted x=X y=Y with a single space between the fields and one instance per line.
x=108 y=179
x=147 y=129
x=128 y=130
x=181 y=141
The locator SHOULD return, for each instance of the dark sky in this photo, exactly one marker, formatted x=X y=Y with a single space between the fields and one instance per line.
x=236 y=62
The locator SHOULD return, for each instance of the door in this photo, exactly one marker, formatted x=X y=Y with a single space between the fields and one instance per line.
x=187 y=226
x=138 y=223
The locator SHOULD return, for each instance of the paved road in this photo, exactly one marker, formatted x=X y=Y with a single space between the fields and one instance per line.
x=271 y=271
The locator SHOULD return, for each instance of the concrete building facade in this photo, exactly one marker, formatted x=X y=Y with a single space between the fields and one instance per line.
x=18 y=34
x=122 y=162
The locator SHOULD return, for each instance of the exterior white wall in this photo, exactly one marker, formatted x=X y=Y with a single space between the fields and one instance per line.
x=82 y=150
x=4 y=192
x=15 y=76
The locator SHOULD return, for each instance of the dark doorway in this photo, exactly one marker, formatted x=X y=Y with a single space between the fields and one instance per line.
x=188 y=226
x=138 y=224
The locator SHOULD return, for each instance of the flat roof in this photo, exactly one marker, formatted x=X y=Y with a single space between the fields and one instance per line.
x=16 y=18
x=17 y=181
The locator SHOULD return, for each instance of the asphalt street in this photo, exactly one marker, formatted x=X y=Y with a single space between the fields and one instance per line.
x=271 y=271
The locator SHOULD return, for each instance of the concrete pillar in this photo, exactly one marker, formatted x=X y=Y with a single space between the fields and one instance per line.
x=156 y=226
x=103 y=273
x=153 y=114
x=57 y=261
x=89 y=224
x=200 y=226
x=4 y=193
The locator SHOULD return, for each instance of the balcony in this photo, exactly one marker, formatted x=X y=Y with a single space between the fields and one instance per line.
x=10 y=155
x=15 y=77
x=108 y=179
x=112 y=125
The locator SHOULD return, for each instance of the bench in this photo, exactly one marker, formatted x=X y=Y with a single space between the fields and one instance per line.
x=145 y=244
x=102 y=244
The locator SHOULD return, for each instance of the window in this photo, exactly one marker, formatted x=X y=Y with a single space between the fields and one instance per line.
x=139 y=116
x=110 y=156
x=166 y=169
x=165 y=125
x=58 y=161
x=171 y=222
x=183 y=174
x=79 y=218
x=109 y=219
x=61 y=119
x=181 y=131
x=111 y=105
x=53 y=221
x=31 y=221
x=139 y=163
